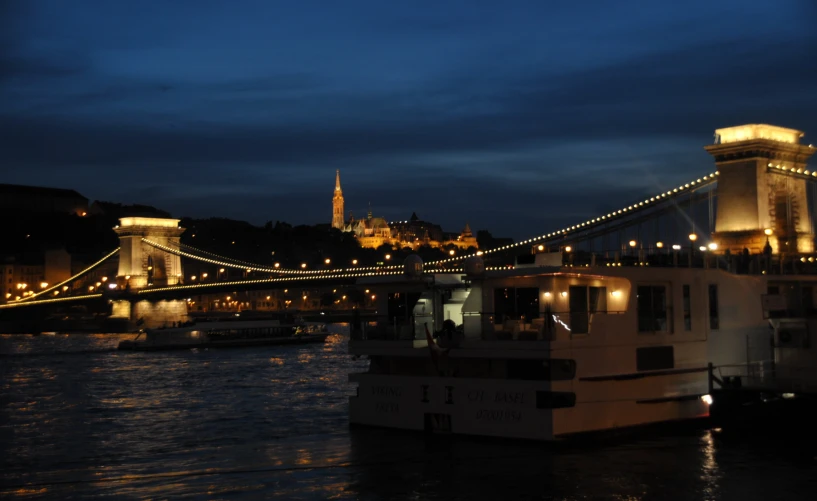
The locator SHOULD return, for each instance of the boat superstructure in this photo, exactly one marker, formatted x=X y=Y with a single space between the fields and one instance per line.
x=543 y=352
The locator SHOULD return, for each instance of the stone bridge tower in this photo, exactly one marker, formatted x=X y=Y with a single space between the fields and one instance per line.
x=755 y=198
x=141 y=264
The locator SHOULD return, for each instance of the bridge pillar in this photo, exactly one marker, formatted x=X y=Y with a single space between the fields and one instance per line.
x=141 y=264
x=150 y=314
x=754 y=201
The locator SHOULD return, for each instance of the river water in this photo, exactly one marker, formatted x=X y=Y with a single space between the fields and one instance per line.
x=79 y=420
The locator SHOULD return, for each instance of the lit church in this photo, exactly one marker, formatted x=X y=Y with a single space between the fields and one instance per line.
x=372 y=232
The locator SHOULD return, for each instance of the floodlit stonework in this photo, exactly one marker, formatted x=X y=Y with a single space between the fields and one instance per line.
x=755 y=199
x=372 y=232
x=151 y=315
x=141 y=264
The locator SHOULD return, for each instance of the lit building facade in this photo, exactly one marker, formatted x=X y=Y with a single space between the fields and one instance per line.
x=373 y=232
x=20 y=278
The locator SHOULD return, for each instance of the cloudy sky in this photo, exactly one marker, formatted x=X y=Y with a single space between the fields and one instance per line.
x=518 y=117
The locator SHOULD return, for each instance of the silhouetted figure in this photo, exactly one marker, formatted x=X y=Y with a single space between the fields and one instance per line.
x=767 y=254
x=745 y=259
x=355 y=330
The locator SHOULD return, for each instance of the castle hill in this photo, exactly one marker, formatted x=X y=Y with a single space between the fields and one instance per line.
x=54 y=234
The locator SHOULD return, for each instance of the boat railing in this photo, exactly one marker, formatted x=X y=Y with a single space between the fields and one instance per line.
x=390 y=327
x=764 y=375
x=547 y=325
x=692 y=257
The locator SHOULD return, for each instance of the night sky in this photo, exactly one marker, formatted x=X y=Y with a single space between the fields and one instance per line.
x=518 y=117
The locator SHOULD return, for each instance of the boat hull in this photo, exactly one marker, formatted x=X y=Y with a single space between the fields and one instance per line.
x=533 y=410
x=233 y=343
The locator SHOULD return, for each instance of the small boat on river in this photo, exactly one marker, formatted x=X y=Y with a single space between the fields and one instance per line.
x=226 y=334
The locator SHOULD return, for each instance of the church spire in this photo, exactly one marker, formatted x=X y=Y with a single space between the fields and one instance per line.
x=337 y=204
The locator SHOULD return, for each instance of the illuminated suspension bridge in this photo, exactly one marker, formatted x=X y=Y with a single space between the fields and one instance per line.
x=763 y=190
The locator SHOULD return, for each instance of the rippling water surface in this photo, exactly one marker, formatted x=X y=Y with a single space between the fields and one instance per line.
x=80 y=420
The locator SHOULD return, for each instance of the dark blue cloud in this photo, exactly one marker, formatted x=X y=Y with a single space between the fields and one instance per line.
x=504 y=116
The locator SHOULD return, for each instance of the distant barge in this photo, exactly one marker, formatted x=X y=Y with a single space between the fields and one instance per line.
x=226 y=334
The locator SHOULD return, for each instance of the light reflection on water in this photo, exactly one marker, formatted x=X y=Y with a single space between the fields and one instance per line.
x=80 y=420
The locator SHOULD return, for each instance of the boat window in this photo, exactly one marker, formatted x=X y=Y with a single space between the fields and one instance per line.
x=687 y=310
x=541 y=370
x=516 y=303
x=579 y=316
x=807 y=298
x=652 y=308
x=714 y=320
x=555 y=399
x=654 y=358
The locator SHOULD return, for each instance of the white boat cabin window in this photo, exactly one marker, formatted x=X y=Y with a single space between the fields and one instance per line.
x=584 y=301
x=687 y=309
x=516 y=303
x=652 y=308
x=714 y=317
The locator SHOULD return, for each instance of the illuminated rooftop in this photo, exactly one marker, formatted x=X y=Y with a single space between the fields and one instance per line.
x=156 y=222
x=757 y=131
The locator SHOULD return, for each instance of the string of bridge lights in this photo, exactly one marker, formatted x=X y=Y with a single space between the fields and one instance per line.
x=270 y=280
x=661 y=197
x=241 y=263
x=792 y=169
x=71 y=279
x=346 y=272
x=53 y=300
x=291 y=270
x=265 y=269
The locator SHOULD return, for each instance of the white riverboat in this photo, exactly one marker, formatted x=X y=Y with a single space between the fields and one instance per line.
x=545 y=352
x=226 y=334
